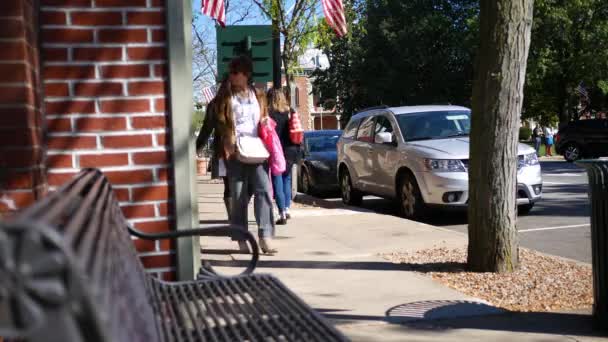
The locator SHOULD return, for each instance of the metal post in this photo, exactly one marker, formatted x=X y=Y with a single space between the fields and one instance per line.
x=597 y=171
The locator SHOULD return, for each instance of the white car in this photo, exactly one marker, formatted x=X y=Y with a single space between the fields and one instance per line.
x=419 y=156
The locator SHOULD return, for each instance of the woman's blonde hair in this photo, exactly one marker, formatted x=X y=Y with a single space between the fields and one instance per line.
x=277 y=101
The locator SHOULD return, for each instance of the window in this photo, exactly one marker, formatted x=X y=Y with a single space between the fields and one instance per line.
x=366 y=130
x=351 y=129
x=383 y=125
x=434 y=125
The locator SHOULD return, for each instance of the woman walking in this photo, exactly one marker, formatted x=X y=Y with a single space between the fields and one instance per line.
x=239 y=111
x=279 y=112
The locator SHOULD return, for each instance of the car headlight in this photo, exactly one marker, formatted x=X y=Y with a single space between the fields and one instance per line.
x=444 y=165
x=527 y=160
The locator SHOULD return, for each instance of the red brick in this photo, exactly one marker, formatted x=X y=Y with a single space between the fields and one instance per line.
x=166 y=245
x=59 y=161
x=59 y=125
x=163 y=175
x=169 y=276
x=71 y=143
x=130 y=177
x=56 y=89
x=55 y=54
x=12 y=51
x=67 y=36
x=101 y=160
x=122 y=195
x=18 y=181
x=157 y=261
x=52 y=18
x=145 y=18
x=70 y=107
x=125 y=106
x=151 y=193
x=18 y=117
x=18 y=158
x=120 y=3
x=158 y=3
x=91 y=124
x=146 y=53
x=71 y=3
x=123 y=36
x=150 y=158
x=16 y=94
x=14 y=72
x=98 y=89
x=163 y=209
x=19 y=138
x=161 y=139
x=125 y=71
x=97 y=54
x=143 y=246
x=160 y=70
x=153 y=226
x=159 y=36
x=96 y=18
x=57 y=179
x=147 y=88
x=145 y=122
x=21 y=199
x=66 y=72
x=11 y=8
x=138 y=211
x=123 y=141
x=12 y=28
x=159 y=105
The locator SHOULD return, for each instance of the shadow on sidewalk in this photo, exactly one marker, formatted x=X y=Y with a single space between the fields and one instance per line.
x=444 y=316
x=350 y=265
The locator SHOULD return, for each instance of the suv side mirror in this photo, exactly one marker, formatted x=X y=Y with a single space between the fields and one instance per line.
x=384 y=138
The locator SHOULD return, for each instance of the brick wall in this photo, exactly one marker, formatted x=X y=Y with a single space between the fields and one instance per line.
x=105 y=80
x=304 y=102
x=21 y=154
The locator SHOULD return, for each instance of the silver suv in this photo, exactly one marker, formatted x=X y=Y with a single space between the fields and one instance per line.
x=419 y=156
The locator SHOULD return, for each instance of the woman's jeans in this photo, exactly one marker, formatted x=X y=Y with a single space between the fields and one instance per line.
x=255 y=177
x=282 y=190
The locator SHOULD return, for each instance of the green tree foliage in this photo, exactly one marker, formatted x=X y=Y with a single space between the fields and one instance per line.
x=402 y=53
x=569 y=45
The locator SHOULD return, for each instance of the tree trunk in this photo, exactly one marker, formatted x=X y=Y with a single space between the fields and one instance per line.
x=497 y=100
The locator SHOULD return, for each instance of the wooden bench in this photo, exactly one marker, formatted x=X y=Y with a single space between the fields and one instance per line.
x=69 y=272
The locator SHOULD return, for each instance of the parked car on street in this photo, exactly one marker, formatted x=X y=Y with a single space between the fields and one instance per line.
x=317 y=169
x=583 y=139
x=419 y=156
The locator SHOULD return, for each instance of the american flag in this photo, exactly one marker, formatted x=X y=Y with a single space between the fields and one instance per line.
x=582 y=91
x=334 y=15
x=216 y=10
x=209 y=93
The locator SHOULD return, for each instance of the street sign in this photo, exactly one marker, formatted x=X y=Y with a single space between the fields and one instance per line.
x=254 y=41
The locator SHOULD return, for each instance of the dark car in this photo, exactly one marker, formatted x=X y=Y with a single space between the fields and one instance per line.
x=317 y=169
x=583 y=139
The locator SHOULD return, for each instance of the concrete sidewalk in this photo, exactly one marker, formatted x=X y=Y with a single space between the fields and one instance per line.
x=329 y=257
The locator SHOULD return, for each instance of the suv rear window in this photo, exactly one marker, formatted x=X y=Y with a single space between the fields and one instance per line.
x=351 y=129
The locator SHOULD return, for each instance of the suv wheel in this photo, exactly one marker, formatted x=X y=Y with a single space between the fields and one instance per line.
x=305 y=185
x=411 y=204
x=524 y=209
x=350 y=195
x=572 y=152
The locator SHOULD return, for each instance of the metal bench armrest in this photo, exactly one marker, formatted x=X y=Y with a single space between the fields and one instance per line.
x=207 y=270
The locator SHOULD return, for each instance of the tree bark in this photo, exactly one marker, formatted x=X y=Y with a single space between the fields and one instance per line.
x=497 y=100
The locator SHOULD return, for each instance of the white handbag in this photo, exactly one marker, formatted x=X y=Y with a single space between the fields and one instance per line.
x=251 y=150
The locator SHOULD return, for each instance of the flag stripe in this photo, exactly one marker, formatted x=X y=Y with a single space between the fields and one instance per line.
x=334 y=15
x=215 y=9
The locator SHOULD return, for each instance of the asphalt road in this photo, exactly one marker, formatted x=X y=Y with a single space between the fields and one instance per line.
x=558 y=224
